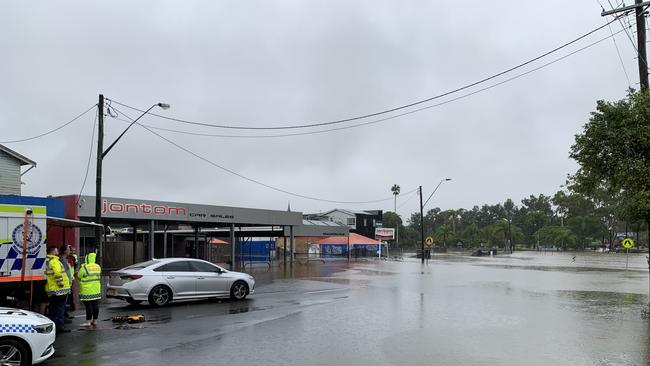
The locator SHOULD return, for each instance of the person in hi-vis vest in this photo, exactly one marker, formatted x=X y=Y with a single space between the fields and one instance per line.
x=90 y=288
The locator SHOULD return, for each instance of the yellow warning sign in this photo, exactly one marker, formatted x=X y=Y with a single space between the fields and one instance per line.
x=627 y=243
x=429 y=241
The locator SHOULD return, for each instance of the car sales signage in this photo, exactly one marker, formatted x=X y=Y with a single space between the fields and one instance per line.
x=384 y=233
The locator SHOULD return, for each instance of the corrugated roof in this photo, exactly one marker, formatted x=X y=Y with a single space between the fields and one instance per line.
x=346 y=211
x=353 y=239
x=320 y=223
x=24 y=160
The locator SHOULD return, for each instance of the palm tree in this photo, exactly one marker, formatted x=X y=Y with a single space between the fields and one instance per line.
x=395 y=189
x=442 y=233
x=471 y=234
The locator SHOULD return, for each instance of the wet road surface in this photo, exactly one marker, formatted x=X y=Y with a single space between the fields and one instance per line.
x=525 y=309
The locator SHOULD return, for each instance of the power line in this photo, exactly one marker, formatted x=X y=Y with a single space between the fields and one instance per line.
x=618 y=52
x=397 y=115
x=407 y=201
x=247 y=178
x=50 y=131
x=310 y=125
x=634 y=46
x=90 y=155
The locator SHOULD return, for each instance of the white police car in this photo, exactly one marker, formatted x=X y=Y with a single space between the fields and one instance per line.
x=26 y=338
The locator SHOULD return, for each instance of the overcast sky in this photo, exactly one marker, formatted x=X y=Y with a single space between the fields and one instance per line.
x=266 y=63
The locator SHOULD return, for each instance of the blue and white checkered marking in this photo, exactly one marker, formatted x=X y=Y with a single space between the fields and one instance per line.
x=14 y=261
x=16 y=328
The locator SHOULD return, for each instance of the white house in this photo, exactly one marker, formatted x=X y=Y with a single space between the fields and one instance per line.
x=11 y=163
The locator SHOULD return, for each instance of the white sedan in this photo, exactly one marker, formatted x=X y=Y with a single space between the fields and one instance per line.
x=161 y=281
x=26 y=338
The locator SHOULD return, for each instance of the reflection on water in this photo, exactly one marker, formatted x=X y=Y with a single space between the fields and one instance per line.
x=606 y=305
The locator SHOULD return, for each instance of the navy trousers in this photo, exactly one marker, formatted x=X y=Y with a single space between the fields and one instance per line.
x=57 y=310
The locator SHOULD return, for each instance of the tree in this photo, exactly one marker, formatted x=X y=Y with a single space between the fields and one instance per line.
x=392 y=220
x=498 y=233
x=613 y=152
x=471 y=234
x=558 y=235
x=395 y=189
x=443 y=232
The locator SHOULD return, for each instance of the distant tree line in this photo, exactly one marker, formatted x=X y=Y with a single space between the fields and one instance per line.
x=609 y=194
x=568 y=220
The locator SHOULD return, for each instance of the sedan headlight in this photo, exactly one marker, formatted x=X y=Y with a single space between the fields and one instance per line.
x=43 y=328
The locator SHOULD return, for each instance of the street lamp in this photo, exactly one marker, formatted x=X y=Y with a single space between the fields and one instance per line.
x=100 y=157
x=422 y=214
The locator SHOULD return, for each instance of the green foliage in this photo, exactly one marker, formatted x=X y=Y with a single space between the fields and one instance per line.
x=557 y=235
x=613 y=151
x=392 y=220
x=443 y=234
x=471 y=235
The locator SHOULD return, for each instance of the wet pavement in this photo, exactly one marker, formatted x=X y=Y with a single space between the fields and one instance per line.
x=524 y=309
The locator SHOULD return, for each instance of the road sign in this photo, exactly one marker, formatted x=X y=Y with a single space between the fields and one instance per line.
x=384 y=233
x=429 y=241
x=627 y=243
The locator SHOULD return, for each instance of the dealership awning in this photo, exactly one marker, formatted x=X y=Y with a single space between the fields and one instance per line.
x=353 y=239
x=61 y=222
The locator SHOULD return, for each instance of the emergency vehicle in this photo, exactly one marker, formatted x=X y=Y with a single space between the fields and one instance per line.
x=22 y=250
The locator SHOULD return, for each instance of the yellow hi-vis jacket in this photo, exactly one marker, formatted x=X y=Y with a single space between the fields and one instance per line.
x=58 y=283
x=89 y=275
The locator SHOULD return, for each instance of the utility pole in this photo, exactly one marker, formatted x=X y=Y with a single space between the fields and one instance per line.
x=640 y=40
x=642 y=57
x=98 y=181
x=421 y=226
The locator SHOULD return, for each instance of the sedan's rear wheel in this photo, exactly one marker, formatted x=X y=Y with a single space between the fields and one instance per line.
x=13 y=353
x=239 y=290
x=160 y=296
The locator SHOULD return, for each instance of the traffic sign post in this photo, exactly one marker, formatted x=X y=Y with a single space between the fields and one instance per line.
x=627 y=244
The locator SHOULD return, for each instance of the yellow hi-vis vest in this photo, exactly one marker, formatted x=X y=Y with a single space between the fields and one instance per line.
x=58 y=283
x=89 y=275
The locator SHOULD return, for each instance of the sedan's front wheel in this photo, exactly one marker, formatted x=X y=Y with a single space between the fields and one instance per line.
x=14 y=353
x=160 y=296
x=239 y=290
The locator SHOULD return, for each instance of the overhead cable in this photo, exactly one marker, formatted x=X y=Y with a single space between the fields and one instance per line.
x=90 y=155
x=248 y=178
x=394 y=109
x=396 y=115
x=50 y=131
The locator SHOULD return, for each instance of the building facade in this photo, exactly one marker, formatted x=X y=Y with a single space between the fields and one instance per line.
x=11 y=163
x=360 y=222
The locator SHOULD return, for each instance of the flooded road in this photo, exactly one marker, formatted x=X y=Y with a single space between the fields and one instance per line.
x=524 y=309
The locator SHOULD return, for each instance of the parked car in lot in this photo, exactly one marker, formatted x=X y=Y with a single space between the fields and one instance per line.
x=161 y=281
x=26 y=338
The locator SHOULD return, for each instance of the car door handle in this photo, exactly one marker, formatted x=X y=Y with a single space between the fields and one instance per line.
x=200 y=278
x=170 y=277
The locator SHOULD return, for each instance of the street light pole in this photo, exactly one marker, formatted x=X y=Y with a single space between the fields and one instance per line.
x=100 y=158
x=421 y=226
x=422 y=213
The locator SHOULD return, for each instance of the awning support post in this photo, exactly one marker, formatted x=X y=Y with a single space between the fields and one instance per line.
x=291 y=243
x=232 y=247
x=152 y=236
x=135 y=242
x=165 y=241
x=196 y=242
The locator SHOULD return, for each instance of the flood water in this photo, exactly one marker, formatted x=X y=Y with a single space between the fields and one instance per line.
x=524 y=309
